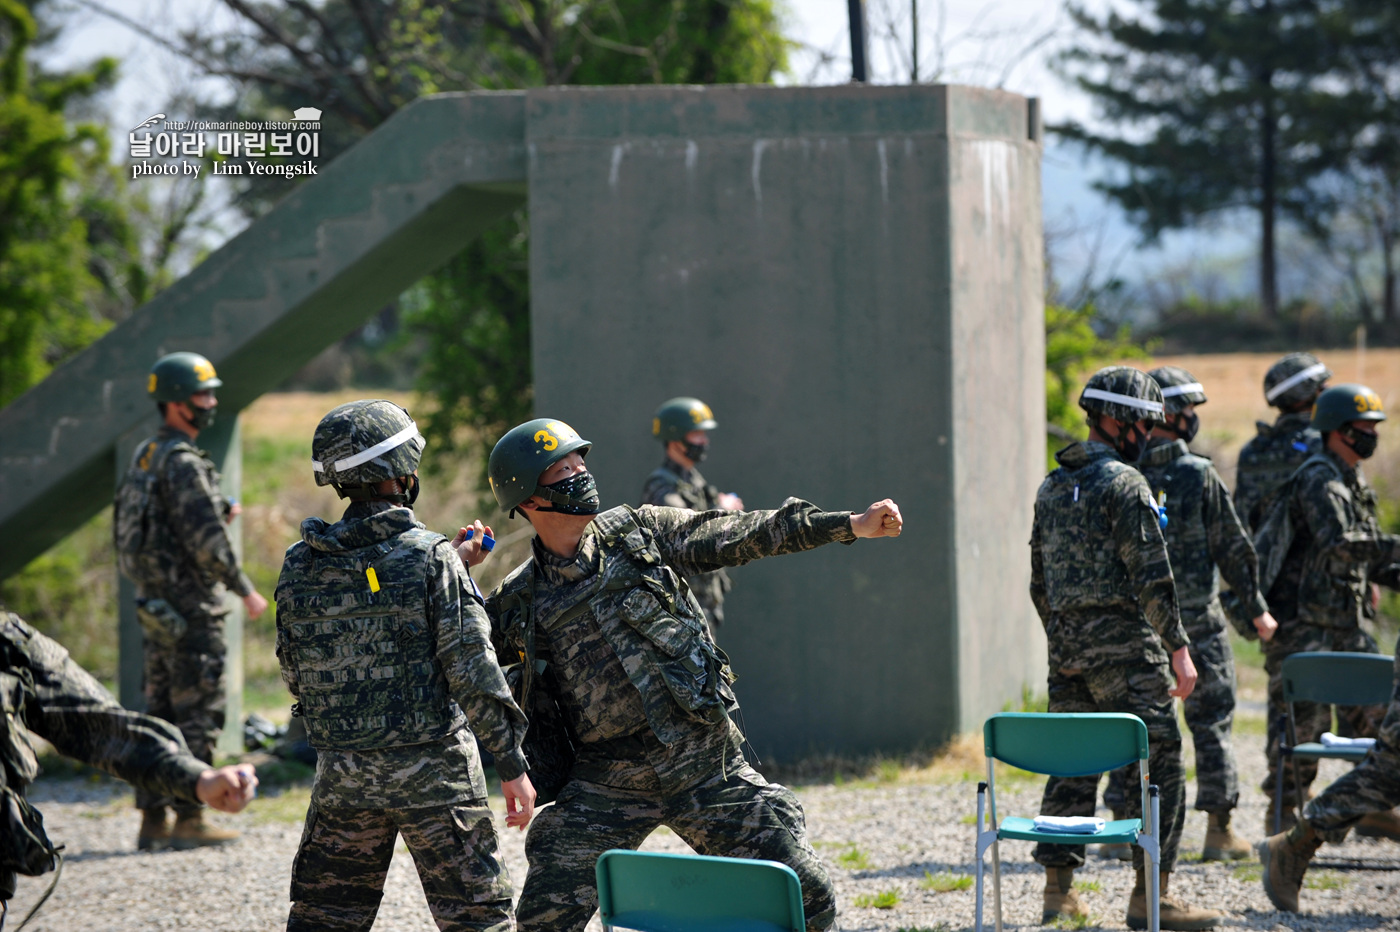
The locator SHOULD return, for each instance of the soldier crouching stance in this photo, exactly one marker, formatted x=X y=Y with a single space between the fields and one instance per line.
x=1102 y=584
x=382 y=637
x=614 y=649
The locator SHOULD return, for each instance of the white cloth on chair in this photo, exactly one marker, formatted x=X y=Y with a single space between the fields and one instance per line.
x=1069 y=825
x=1330 y=740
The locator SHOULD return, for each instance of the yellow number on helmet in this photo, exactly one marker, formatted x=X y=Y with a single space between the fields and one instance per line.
x=204 y=371
x=546 y=439
x=1367 y=401
x=151 y=384
x=700 y=413
x=656 y=427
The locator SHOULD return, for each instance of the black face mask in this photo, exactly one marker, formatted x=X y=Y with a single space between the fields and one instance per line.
x=696 y=452
x=1361 y=443
x=1188 y=431
x=1130 y=442
x=576 y=495
x=202 y=418
x=412 y=495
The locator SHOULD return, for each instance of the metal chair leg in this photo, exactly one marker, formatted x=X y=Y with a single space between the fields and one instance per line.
x=1154 y=866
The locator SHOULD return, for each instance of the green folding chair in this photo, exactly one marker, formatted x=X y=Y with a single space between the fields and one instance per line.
x=1065 y=745
x=695 y=893
x=1332 y=678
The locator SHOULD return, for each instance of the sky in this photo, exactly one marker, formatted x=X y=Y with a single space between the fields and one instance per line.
x=1005 y=43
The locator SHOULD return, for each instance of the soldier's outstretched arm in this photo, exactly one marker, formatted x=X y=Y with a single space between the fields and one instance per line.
x=74 y=713
x=700 y=542
x=474 y=677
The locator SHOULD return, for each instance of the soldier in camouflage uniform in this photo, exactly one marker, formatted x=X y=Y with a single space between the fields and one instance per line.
x=682 y=425
x=1319 y=596
x=44 y=692
x=1102 y=584
x=1292 y=385
x=383 y=640
x=180 y=602
x=1372 y=788
x=615 y=656
x=1202 y=533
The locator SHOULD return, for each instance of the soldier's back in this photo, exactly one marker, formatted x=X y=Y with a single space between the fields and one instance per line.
x=1270 y=458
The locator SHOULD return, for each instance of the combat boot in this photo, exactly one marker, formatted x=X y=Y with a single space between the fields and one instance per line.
x=1285 y=858
x=191 y=831
x=155 y=830
x=1287 y=819
x=1117 y=852
x=1383 y=824
x=1061 y=899
x=1174 y=914
x=1222 y=844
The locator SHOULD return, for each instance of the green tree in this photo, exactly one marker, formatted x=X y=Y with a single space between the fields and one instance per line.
x=1213 y=106
x=45 y=217
x=360 y=62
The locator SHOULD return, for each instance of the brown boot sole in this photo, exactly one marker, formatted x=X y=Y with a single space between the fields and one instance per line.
x=1262 y=850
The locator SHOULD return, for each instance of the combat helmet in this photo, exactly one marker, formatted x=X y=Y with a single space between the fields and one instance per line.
x=520 y=457
x=679 y=416
x=1342 y=404
x=1124 y=394
x=362 y=443
x=177 y=376
x=1294 y=380
x=1179 y=388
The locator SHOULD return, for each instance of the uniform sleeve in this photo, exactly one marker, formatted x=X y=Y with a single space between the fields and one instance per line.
x=704 y=541
x=1038 y=592
x=195 y=510
x=1230 y=545
x=1322 y=502
x=657 y=491
x=474 y=678
x=82 y=720
x=1137 y=535
x=284 y=647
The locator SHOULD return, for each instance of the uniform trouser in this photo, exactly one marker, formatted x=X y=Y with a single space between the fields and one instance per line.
x=1210 y=716
x=734 y=814
x=1143 y=691
x=1372 y=786
x=184 y=685
x=338 y=875
x=1311 y=719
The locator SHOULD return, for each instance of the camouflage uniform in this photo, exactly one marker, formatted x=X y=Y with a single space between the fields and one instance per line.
x=1319 y=600
x=44 y=691
x=378 y=591
x=1373 y=786
x=1202 y=533
x=678 y=487
x=184 y=679
x=1102 y=584
x=644 y=691
x=1269 y=459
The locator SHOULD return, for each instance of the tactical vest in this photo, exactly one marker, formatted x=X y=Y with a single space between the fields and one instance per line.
x=139 y=526
x=1076 y=527
x=701 y=497
x=355 y=627
x=650 y=620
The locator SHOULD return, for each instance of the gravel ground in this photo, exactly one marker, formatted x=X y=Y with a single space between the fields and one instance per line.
x=878 y=836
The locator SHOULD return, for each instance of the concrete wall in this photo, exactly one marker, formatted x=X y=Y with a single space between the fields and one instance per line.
x=851 y=278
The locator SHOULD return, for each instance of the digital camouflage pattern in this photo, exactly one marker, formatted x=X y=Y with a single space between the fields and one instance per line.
x=339 y=871
x=345 y=438
x=674 y=485
x=1323 y=592
x=632 y=669
x=1269 y=459
x=193 y=567
x=377 y=616
x=1100 y=577
x=416 y=756
x=44 y=692
x=1141 y=689
x=1372 y=786
x=1205 y=539
x=733 y=813
x=1210 y=714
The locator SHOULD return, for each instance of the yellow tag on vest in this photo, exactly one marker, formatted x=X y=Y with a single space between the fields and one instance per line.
x=373 y=579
